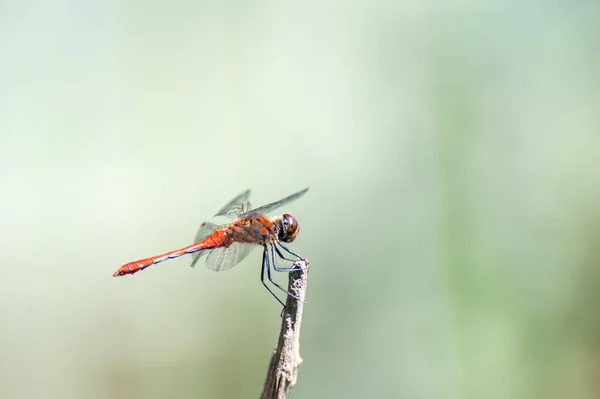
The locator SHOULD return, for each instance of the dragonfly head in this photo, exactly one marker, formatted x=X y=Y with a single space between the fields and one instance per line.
x=288 y=228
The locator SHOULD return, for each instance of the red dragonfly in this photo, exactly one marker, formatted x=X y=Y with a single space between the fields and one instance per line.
x=228 y=244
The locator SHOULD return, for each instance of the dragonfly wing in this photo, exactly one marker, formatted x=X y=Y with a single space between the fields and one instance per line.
x=224 y=258
x=274 y=205
x=204 y=231
x=236 y=206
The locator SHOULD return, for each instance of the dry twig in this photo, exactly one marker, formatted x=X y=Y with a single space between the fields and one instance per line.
x=283 y=369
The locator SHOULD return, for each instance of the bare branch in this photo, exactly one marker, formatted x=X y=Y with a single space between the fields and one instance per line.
x=283 y=369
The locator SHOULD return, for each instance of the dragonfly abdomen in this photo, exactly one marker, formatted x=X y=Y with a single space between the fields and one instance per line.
x=218 y=238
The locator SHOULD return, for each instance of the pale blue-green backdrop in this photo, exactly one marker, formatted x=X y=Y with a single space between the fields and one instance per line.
x=452 y=225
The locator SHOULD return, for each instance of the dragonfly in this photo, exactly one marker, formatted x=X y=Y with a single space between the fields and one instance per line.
x=228 y=244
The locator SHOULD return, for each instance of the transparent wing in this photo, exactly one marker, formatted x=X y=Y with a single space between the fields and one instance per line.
x=274 y=205
x=226 y=257
x=236 y=206
x=204 y=231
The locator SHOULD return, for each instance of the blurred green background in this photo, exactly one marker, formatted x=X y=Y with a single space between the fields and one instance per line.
x=452 y=225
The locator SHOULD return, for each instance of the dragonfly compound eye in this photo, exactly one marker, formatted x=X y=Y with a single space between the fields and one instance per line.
x=290 y=228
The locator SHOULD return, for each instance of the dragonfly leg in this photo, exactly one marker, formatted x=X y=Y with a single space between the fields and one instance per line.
x=281 y=255
x=278 y=269
x=265 y=264
x=289 y=269
x=288 y=250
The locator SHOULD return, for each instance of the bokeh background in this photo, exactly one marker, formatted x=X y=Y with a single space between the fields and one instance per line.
x=452 y=225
